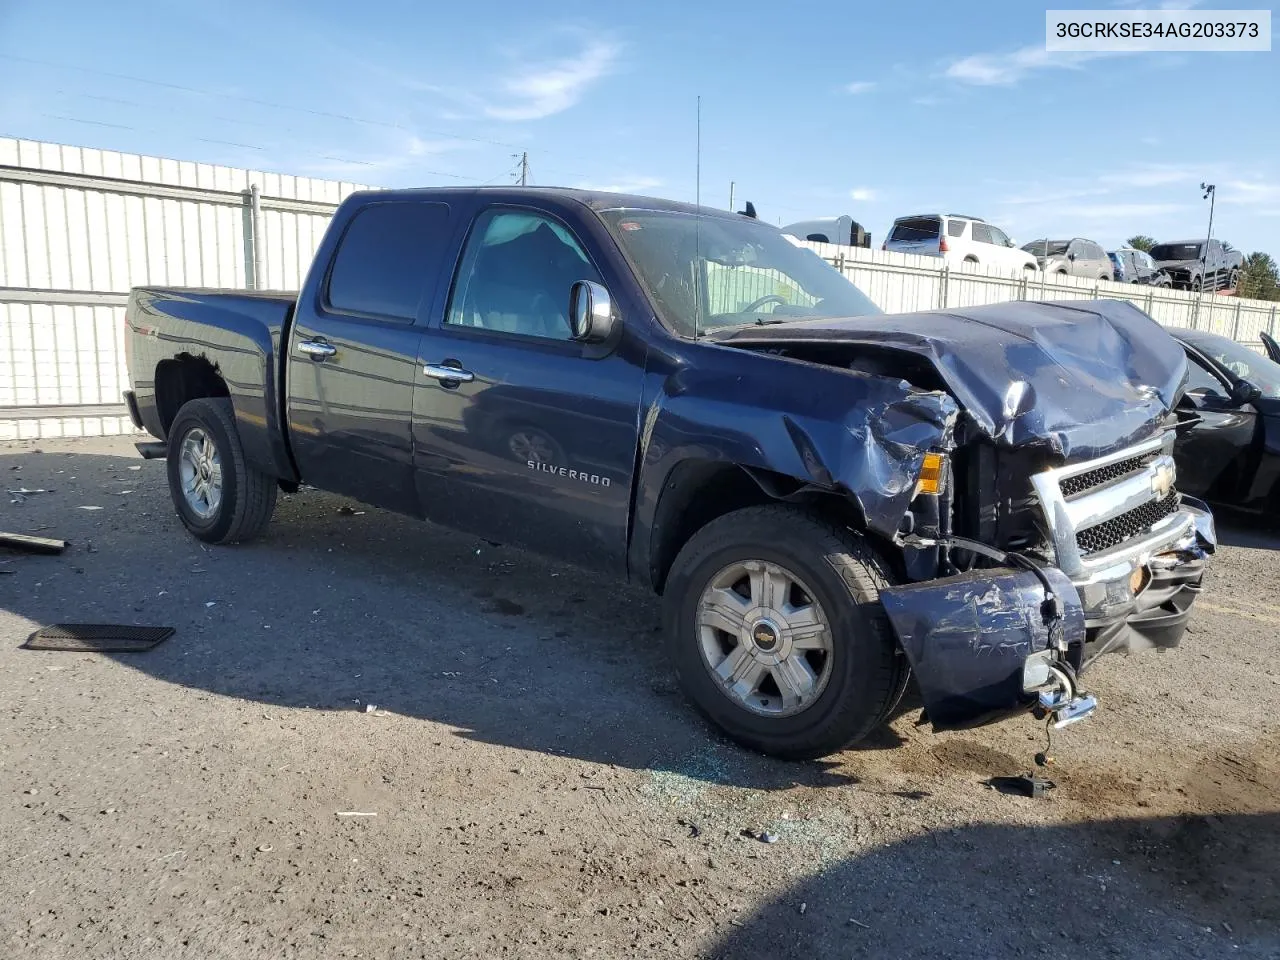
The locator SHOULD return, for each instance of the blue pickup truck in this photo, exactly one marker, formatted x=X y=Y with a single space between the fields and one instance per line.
x=831 y=501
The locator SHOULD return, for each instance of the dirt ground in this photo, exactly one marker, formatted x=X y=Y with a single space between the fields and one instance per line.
x=534 y=785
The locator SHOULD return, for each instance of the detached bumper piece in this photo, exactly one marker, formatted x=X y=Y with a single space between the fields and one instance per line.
x=986 y=644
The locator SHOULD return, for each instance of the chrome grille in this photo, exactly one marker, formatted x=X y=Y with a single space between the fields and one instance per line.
x=1084 y=482
x=1127 y=526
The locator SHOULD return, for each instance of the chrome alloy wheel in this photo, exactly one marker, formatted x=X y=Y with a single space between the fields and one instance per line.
x=201 y=473
x=765 y=638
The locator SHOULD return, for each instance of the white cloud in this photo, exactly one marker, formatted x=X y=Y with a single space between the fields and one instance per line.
x=1006 y=69
x=628 y=184
x=537 y=90
x=1150 y=175
x=865 y=194
x=405 y=154
x=859 y=86
x=1249 y=191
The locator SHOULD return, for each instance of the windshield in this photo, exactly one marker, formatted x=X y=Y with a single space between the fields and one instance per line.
x=1047 y=248
x=1245 y=363
x=708 y=273
x=1176 y=251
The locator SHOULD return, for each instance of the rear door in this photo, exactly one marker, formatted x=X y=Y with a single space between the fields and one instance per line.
x=534 y=442
x=918 y=235
x=353 y=354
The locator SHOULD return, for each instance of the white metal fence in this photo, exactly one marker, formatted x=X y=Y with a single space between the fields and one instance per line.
x=79 y=227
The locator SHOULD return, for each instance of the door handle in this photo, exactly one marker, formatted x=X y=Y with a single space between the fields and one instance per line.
x=317 y=349
x=448 y=374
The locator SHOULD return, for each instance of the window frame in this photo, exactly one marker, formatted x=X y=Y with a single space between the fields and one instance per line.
x=1194 y=359
x=327 y=305
x=567 y=345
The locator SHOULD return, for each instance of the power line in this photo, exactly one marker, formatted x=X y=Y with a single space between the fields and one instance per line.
x=254 y=100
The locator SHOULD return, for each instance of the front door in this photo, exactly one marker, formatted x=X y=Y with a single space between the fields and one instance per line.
x=1214 y=457
x=353 y=355
x=533 y=443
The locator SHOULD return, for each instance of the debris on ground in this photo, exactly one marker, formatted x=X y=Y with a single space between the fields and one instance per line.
x=354 y=813
x=1024 y=785
x=694 y=829
x=97 y=638
x=28 y=544
x=370 y=708
x=89 y=507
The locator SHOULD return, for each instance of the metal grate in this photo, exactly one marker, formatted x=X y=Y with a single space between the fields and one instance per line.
x=1084 y=482
x=97 y=637
x=1113 y=532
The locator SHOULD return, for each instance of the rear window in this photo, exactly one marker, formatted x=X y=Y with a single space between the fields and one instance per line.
x=916 y=228
x=387 y=260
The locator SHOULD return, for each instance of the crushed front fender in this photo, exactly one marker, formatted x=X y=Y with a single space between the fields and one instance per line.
x=968 y=638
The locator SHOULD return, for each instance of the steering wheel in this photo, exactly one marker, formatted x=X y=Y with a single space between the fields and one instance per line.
x=756 y=304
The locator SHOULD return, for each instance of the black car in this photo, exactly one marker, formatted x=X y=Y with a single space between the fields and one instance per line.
x=1228 y=450
x=1134 y=266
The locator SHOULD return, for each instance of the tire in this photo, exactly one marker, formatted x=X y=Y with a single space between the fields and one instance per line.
x=1233 y=280
x=245 y=496
x=863 y=674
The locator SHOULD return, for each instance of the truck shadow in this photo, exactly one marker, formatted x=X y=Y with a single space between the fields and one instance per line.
x=1171 y=887
x=341 y=606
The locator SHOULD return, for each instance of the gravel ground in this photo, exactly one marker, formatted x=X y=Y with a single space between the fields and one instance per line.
x=534 y=783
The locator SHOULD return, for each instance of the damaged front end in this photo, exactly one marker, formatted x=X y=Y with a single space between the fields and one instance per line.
x=1056 y=533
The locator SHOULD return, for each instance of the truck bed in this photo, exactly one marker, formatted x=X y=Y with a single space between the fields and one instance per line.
x=235 y=335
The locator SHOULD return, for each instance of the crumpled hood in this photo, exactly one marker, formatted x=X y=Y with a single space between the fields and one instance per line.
x=1080 y=378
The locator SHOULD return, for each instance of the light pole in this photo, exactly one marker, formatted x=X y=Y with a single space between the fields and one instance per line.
x=1210 y=194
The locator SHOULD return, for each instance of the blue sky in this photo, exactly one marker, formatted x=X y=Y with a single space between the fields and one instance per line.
x=871 y=109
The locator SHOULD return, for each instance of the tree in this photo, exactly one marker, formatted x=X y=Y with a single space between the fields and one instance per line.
x=1141 y=242
x=1259 y=278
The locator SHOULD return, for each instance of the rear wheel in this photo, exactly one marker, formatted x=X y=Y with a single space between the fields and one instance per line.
x=776 y=631
x=219 y=497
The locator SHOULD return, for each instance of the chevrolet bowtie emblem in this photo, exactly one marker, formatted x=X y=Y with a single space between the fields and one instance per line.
x=1162 y=479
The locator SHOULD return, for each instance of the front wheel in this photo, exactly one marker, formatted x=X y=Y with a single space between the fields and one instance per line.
x=219 y=497
x=775 y=628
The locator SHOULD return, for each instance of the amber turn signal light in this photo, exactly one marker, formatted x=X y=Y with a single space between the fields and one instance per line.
x=930 y=479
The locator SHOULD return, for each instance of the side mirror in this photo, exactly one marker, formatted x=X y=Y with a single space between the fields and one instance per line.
x=1242 y=392
x=1071 y=256
x=590 y=312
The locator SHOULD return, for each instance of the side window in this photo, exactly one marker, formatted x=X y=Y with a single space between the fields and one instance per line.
x=998 y=237
x=955 y=228
x=1200 y=380
x=516 y=274
x=386 y=260
x=982 y=233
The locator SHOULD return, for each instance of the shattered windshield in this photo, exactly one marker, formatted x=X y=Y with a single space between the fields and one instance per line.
x=1047 y=248
x=708 y=273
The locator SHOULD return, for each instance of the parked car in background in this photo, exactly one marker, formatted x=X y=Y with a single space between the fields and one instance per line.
x=1188 y=262
x=1228 y=449
x=1077 y=257
x=844 y=230
x=958 y=239
x=1134 y=266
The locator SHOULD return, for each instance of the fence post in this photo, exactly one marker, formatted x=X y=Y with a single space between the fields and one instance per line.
x=840 y=262
x=1151 y=303
x=1235 y=322
x=1271 y=324
x=942 y=287
x=1022 y=286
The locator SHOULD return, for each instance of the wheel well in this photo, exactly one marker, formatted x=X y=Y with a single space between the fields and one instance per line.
x=971 y=259
x=698 y=492
x=185 y=378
